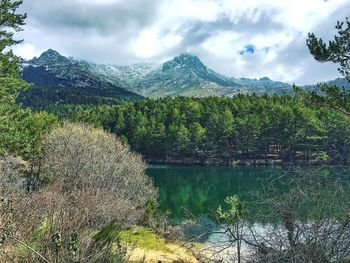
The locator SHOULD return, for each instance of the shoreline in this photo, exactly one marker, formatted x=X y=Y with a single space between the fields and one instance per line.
x=232 y=163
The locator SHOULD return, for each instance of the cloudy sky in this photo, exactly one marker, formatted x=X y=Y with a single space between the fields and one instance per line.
x=240 y=38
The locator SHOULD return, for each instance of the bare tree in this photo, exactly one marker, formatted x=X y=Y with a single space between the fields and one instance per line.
x=310 y=215
x=89 y=160
x=300 y=216
x=90 y=187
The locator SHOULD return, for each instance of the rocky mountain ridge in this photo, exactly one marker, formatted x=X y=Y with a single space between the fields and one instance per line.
x=185 y=75
x=57 y=79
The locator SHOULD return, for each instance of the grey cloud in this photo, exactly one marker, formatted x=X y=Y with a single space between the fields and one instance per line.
x=70 y=16
x=195 y=32
x=296 y=54
x=102 y=33
x=105 y=34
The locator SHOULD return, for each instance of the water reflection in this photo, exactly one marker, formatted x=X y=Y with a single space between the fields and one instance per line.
x=198 y=188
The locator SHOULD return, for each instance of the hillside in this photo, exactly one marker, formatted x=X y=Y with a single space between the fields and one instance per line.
x=184 y=75
x=59 y=80
x=339 y=82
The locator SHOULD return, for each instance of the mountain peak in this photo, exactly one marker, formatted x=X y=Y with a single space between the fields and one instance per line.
x=185 y=60
x=50 y=56
x=265 y=78
x=187 y=56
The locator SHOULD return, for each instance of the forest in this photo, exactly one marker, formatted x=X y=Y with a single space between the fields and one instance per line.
x=244 y=129
x=75 y=189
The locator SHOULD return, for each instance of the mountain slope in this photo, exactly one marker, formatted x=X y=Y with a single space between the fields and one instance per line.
x=265 y=85
x=339 y=82
x=59 y=80
x=185 y=75
x=123 y=76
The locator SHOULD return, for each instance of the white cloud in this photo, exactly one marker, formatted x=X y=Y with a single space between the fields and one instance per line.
x=180 y=10
x=222 y=44
x=124 y=31
x=150 y=42
x=98 y=2
x=27 y=51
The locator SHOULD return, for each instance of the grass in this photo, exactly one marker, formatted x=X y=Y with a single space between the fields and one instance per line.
x=144 y=238
x=146 y=246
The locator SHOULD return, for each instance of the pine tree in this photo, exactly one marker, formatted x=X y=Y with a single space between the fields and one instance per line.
x=20 y=129
x=10 y=22
x=337 y=51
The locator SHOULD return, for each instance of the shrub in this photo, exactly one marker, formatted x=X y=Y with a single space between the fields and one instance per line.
x=89 y=183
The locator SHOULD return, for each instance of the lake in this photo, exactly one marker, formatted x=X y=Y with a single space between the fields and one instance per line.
x=198 y=188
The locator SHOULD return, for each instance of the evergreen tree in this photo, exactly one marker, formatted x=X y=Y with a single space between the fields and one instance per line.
x=10 y=22
x=244 y=128
x=20 y=129
x=336 y=51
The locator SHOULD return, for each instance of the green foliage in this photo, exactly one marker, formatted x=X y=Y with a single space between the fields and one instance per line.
x=56 y=240
x=73 y=245
x=20 y=129
x=10 y=22
x=218 y=129
x=327 y=96
x=109 y=236
x=150 y=213
x=337 y=51
x=234 y=213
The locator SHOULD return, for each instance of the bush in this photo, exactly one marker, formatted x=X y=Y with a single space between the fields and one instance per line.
x=89 y=183
x=82 y=158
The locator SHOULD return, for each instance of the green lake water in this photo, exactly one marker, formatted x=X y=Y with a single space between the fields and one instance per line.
x=197 y=189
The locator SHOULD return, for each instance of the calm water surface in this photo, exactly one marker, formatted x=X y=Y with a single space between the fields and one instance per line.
x=195 y=188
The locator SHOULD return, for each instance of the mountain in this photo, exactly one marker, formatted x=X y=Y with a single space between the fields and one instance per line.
x=66 y=80
x=265 y=85
x=184 y=75
x=339 y=82
x=187 y=75
x=124 y=76
x=60 y=80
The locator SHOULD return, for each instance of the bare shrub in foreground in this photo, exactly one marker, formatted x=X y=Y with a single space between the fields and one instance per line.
x=299 y=216
x=309 y=211
x=91 y=186
x=93 y=162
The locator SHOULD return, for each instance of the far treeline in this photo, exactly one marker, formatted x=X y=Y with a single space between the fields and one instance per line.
x=244 y=129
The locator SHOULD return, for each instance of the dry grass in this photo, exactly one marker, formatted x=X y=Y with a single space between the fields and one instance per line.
x=87 y=180
x=146 y=246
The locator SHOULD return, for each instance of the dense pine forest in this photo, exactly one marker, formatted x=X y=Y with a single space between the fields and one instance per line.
x=244 y=129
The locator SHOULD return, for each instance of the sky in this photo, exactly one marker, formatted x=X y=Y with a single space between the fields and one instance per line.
x=238 y=38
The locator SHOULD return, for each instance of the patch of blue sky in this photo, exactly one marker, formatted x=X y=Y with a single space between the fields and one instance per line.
x=248 y=49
